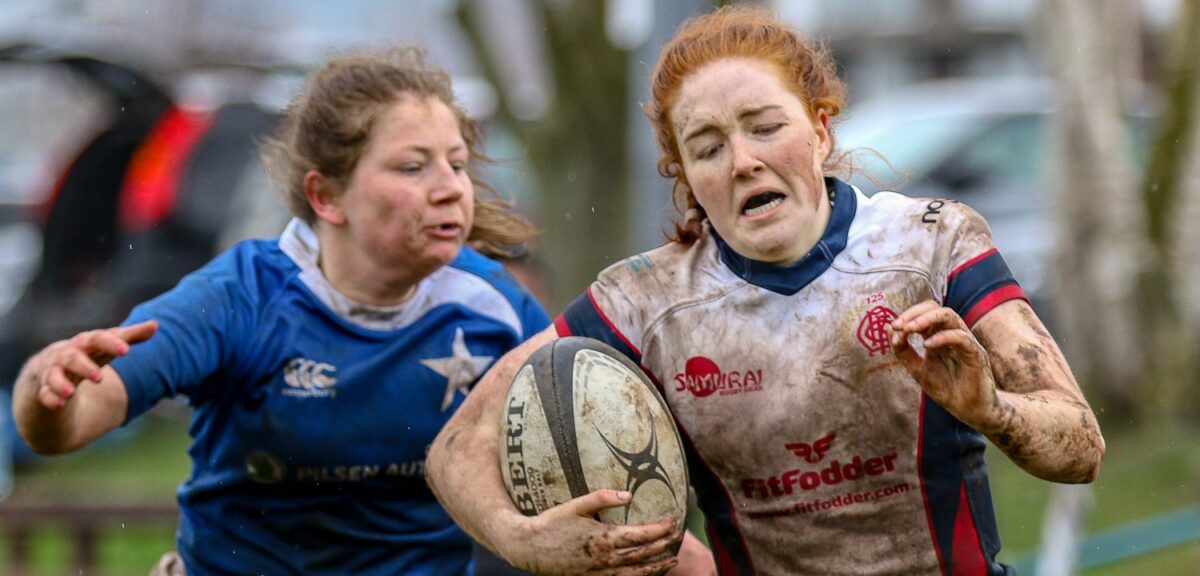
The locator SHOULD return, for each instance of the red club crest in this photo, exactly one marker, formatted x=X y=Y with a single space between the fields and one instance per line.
x=871 y=333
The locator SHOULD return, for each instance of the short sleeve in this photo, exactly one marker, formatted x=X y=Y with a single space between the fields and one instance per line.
x=975 y=276
x=607 y=314
x=199 y=322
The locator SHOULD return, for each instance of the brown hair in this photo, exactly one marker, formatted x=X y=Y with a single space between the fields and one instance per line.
x=734 y=32
x=328 y=125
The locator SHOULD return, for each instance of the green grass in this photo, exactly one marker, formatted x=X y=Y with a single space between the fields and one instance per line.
x=146 y=465
x=1146 y=473
x=1178 y=561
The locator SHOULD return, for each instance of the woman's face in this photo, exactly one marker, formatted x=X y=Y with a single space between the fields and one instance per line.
x=753 y=157
x=409 y=202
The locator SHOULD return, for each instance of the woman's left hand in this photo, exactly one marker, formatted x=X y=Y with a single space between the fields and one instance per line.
x=940 y=352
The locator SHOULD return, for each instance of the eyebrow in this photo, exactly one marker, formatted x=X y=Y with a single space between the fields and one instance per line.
x=709 y=127
x=427 y=150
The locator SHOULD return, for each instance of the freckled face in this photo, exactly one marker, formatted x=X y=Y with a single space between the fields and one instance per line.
x=409 y=202
x=752 y=157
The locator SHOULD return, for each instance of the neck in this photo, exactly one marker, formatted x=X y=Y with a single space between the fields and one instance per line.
x=813 y=233
x=360 y=277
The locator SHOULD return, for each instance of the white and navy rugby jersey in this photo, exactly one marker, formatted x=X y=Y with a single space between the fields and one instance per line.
x=313 y=414
x=811 y=449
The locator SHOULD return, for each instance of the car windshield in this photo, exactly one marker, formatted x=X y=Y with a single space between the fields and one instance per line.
x=890 y=151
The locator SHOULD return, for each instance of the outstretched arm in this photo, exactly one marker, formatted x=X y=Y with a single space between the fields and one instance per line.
x=464 y=471
x=1007 y=379
x=66 y=396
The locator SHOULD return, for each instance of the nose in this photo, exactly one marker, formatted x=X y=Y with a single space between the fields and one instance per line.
x=449 y=184
x=745 y=162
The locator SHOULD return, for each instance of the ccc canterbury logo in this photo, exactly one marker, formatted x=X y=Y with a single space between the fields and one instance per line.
x=309 y=378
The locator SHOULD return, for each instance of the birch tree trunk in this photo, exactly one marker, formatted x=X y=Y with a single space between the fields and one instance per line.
x=577 y=146
x=1171 y=287
x=1102 y=246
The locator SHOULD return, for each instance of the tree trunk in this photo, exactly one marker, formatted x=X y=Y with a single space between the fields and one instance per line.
x=577 y=146
x=1102 y=240
x=1171 y=284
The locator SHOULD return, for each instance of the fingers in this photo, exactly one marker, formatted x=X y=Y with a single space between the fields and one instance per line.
x=660 y=566
x=137 y=333
x=100 y=344
x=953 y=368
x=105 y=345
x=66 y=363
x=927 y=317
x=55 y=389
x=640 y=556
x=613 y=549
x=592 y=503
x=647 y=540
x=125 y=336
x=937 y=325
x=585 y=546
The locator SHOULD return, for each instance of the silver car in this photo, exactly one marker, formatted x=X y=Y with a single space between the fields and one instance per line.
x=984 y=142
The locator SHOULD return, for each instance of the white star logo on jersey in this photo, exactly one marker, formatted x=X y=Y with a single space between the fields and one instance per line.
x=460 y=369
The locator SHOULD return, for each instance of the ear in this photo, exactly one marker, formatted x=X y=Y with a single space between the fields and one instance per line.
x=821 y=126
x=323 y=198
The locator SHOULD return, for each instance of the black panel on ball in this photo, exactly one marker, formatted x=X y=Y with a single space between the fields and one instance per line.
x=553 y=372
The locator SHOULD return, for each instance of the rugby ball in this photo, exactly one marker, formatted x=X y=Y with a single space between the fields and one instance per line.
x=579 y=417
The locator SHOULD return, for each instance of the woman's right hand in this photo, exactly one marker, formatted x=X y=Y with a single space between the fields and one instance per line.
x=58 y=369
x=567 y=539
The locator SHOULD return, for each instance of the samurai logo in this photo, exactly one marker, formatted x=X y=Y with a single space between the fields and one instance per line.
x=871 y=333
x=642 y=466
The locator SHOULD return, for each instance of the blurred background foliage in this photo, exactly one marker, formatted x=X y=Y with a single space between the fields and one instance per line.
x=126 y=159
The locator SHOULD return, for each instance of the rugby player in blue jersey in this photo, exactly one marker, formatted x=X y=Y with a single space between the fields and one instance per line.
x=320 y=364
x=836 y=362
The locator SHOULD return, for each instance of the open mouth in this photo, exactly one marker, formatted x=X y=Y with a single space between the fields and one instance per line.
x=761 y=203
x=446 y=230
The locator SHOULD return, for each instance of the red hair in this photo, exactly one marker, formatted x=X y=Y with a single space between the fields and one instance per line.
x=733 y=32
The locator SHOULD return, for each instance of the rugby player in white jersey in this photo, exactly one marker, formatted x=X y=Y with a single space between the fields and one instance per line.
x=836 y=362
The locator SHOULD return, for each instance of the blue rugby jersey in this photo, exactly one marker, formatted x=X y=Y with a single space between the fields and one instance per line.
x=812 y=451
x=312 y=413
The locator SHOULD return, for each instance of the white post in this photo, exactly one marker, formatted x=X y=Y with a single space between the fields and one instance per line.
x=1063 y=528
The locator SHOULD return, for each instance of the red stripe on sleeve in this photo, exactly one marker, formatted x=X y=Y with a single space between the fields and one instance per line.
x=561 y=326
x=996 y=298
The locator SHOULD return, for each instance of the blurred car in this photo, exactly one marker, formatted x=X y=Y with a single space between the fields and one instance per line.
x=984 y=142
x=148 y=190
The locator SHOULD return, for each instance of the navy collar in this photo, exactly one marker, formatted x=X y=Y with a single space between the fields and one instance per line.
x=788 y=280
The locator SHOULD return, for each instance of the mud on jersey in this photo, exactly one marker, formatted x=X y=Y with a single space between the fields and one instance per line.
x=812 y=451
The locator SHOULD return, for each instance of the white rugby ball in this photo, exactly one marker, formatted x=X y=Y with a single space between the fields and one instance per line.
x=580 y=416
